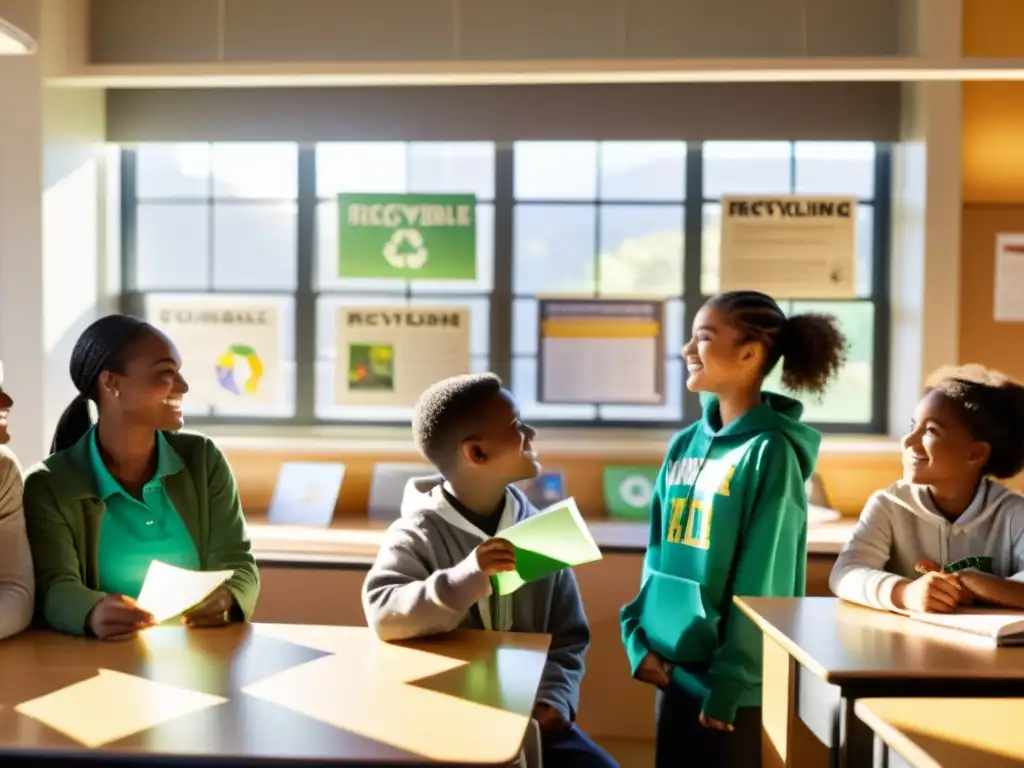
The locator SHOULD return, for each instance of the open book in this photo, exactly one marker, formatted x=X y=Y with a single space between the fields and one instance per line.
x=998 y=627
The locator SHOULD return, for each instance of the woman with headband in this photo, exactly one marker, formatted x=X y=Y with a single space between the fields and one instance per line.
x=116 y=495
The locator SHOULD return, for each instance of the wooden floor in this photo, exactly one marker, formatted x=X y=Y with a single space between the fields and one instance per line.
x=631 y=753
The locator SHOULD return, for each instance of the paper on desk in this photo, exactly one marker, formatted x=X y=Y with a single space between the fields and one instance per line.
x=556 y=538
x=169 y=590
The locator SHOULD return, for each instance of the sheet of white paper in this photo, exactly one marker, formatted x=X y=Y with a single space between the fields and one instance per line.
x=169 y=590
x=1009 y=288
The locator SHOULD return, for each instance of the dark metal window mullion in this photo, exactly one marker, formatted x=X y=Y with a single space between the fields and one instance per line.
x=130 y=301
x=501 y=303
x=882 y=232
x=305 y=291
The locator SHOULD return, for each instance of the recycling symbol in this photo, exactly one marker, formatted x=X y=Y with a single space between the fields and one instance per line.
x=636 y=491
x=405 y=249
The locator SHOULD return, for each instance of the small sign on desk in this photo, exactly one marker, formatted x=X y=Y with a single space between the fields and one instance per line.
x=306 y=493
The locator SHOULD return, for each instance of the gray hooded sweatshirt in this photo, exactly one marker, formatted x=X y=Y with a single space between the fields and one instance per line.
x=901 y=525
x=426 y=581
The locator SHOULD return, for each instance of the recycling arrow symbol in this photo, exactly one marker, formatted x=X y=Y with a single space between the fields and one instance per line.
x=405 y=249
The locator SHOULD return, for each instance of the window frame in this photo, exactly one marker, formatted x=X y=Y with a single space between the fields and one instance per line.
x=501 y=299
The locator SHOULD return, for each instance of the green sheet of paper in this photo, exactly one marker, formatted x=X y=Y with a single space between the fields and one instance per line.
x=556 y=538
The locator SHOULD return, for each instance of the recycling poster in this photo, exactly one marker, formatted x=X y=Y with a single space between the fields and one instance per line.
x=628 y=491
x=409 y=237
x=388 y=355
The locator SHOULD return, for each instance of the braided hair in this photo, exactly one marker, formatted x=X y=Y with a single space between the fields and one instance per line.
x=992 y=405
x=101 y=347
x=810 y=345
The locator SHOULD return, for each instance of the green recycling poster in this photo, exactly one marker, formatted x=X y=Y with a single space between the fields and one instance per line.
x=410 y=237
x=628 y=491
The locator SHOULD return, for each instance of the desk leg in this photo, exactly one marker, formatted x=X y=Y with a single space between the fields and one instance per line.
x=881 y=754
x=856 y=742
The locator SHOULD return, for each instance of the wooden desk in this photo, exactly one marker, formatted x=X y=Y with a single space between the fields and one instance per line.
x=945 y=733
x=821 y=655
x=259 y=694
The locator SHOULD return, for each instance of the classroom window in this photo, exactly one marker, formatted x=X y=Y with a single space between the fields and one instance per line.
x=205 y=222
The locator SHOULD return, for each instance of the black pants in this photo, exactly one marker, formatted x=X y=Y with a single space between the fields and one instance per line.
x=573 y=749
x=683 y=741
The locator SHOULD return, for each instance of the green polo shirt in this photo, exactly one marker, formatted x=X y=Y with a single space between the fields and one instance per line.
x=135 y=532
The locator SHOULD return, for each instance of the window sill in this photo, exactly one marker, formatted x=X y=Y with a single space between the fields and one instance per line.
x=591 y=441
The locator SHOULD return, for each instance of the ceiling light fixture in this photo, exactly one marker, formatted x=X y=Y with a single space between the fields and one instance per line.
x=14 y=42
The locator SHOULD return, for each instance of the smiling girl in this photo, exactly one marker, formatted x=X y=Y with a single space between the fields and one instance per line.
x=946 y=534
x=130 y=489
x=728 y=517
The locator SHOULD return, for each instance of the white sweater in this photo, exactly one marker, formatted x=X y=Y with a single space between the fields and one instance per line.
x=17 y=581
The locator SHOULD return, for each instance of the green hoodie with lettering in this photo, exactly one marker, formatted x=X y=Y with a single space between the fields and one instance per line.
x=728 y=517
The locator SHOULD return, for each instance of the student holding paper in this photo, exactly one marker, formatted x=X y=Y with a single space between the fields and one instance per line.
x=132 y=489
x=433 y=572
x=17 y=583
x=947 y=534
x=728 y=517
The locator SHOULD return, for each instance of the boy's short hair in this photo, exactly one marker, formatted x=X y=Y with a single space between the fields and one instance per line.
x=446 y=414
x=993 y=406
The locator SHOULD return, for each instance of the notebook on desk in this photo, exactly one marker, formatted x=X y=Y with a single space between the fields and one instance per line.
x=1002 y=628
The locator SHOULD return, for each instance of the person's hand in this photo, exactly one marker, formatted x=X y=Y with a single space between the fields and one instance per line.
x=549 y=719
x=117 y=617
x=654 y=670
x=496 y=556
x=715 y=725
x=214 y=611
x=931 y=593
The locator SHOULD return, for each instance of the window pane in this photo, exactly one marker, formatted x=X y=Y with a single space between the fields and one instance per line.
x=641 y=250
x=525 y=330
x=849 y=398
x=553 y=247
x=327 y=260
x=484 y=282
x=865 y=249
x=457 y=167
x=746 y=168
x=711 y=238
x=524 y=388
x=196 y=362
x=361 y=166
x=255 y=246
x=643 y=170
x=326 y=307
x=556 y=170
x=172 y=170
x=672 y=410
x=173 y=243
x=326 y=339
x=711 y=230
x=256 y=170
x=835 y=168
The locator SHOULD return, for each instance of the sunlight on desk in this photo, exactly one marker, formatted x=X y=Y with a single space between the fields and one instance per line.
x=113 y=705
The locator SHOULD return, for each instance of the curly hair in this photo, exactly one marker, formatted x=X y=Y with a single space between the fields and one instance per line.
x=992 y=405
x=811 y=346
x=446 y=413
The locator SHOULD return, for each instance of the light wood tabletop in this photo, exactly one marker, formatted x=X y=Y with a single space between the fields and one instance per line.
x=264 y=693
x=839 y=641
x=949 y=733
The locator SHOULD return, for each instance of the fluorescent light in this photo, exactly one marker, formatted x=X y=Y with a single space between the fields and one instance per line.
x=14 y=42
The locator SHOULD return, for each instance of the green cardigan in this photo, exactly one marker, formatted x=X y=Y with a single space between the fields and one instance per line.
x=63 y=513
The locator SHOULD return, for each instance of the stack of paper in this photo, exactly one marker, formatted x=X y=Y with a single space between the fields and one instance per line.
x=169 y=591
x=546 y=543
x=998 y=627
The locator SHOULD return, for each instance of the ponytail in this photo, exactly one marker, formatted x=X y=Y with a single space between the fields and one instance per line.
x=100 y=348
x=72 y=425
x=811 y=346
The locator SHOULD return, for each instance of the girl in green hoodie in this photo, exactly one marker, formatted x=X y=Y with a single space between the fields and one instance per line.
x=728 y=517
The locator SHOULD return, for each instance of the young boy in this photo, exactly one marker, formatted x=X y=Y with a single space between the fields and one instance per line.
x=432 y=573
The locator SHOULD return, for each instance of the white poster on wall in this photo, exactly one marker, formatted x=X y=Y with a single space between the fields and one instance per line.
x=790 y=246
x=1009 y=287
x=389 y=355
x=230 y=346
